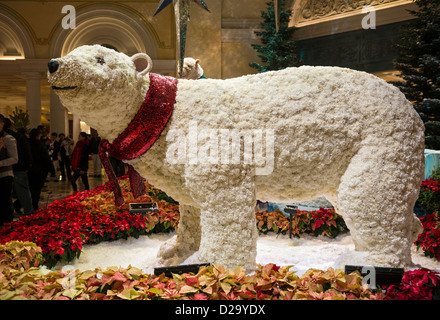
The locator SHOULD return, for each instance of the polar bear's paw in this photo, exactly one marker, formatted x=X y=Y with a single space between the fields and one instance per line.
x=172 y=252
x=168 y=248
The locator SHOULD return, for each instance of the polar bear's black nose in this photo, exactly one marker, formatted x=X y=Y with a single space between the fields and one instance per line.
x=53 y=66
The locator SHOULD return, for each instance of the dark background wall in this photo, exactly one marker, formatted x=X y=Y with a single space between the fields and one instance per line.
x=369 y=50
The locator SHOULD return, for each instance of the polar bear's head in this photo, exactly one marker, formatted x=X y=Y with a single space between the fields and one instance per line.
x=94 y=83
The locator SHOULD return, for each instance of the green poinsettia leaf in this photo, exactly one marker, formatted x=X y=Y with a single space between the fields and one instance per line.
x=155 y=291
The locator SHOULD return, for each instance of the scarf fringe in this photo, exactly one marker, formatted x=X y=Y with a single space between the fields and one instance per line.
x=140 y=134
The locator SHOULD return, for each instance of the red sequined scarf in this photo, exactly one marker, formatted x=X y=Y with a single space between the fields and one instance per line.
x=140 y=134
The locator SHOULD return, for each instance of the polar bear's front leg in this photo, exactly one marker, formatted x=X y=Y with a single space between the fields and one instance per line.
x=228 y=224
x=187 y=240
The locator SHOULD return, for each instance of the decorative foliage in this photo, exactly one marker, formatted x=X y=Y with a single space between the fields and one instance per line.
x=24 y=281
x=418 y=62
x=278 y=50
x=429 y=196
x=430 y=185
x=321 y=222
x=62 y=227
x=419 y=284
x=20 y=119
x=429 y=239
x=274 y=221
x=324 y=222
x=20 y=255
x=88 y=217
x=20 y=279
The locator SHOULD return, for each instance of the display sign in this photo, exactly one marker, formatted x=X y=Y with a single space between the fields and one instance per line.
x=377 y=276
x=291 y=210
x=143 y=208
x=168 y=271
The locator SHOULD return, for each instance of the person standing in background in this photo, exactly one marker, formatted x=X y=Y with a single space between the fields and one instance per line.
x=8 y=157
x=54 y=150
x=94 y=149
x=80 y=161
x=46 y=142
x=20 y=183
x=41 y=165
x=65 y=152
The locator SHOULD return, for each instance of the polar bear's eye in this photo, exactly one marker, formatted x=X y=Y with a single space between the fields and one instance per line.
x=100 y=60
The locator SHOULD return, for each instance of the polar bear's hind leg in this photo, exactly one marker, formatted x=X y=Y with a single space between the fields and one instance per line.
x=376 y=198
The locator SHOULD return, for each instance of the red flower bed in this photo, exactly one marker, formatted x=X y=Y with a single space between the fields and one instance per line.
x=324 y=222
x=430 y=185
x=320 y=222
x=62 y=227
x=429 y=239
x=420 y=284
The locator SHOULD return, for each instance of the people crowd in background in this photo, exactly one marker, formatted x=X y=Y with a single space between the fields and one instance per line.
x=20 y=182
x=30 y=159
x=66 y=150
x=80 y=161
x=41 y=165
x=8 y=157
x=95 y=140
x=54 y=150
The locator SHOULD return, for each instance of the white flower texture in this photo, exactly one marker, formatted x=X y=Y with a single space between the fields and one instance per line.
x=338 y=133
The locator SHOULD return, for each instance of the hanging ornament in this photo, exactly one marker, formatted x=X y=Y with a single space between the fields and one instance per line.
x=181 y=13
x=202 y=4
x=162 y=5
x=181 y=10
x=277 y=14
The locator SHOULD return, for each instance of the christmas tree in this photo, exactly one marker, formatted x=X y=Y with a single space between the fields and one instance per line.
x=278 y=50
x=419 y=64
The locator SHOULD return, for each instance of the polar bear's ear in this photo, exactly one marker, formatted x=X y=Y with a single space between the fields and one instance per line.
x=142 y=63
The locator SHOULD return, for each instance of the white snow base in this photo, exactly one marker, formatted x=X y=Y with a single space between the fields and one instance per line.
x=303 y=253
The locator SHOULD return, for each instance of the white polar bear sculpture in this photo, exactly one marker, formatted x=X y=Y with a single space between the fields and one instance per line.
x=302 y=133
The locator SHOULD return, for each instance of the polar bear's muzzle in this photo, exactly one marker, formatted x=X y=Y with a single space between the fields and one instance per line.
x=53 y=67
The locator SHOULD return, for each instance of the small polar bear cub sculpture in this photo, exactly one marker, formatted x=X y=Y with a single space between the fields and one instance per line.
x=303 y=132
x=192 y=70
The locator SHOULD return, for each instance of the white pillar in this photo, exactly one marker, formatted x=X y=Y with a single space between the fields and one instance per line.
x=58 y=114
x=76 y=128
x=33 y=98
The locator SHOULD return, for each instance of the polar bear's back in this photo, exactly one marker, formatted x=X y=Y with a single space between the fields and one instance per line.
x=306 y=94
x=321 y=117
